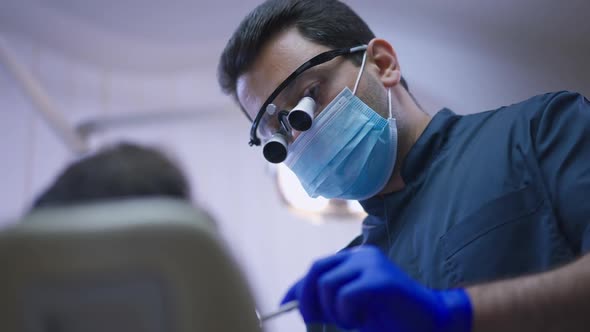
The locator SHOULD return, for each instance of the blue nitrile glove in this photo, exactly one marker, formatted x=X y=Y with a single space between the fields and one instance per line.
x=361 y=289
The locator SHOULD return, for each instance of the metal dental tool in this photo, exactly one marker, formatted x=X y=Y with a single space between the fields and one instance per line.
x=289 y=306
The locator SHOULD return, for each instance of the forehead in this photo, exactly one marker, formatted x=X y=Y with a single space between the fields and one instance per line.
x=281 y=56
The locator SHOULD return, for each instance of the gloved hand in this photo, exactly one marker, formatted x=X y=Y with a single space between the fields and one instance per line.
x=361 y=289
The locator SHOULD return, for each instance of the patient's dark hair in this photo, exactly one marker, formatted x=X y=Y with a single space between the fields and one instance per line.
x=329 y=23
x=122 y=171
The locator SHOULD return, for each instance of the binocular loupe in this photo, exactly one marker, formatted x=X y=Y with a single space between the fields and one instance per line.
x=300 y=118
x=275 y=150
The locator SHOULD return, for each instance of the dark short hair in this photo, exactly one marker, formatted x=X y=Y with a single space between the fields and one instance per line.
x=122 y=171
x=326 y=22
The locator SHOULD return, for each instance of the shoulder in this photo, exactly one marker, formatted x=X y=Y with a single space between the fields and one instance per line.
x=534 y=113
x=554 y=102
x=556 y=112
x=523 y=125
x=534 y=105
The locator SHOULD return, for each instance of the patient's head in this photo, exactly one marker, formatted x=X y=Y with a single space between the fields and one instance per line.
x=122 y=171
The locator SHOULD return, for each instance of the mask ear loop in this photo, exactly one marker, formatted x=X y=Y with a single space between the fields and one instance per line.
x=358 y=79
x=389 y=102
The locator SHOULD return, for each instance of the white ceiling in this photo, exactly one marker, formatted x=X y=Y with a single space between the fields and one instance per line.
x=138 y=35
x=112 y=31
x=464 y=54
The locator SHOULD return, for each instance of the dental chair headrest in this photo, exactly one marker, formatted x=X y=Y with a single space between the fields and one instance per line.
x=149 y=265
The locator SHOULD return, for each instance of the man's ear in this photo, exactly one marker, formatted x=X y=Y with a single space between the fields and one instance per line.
x=381 y=54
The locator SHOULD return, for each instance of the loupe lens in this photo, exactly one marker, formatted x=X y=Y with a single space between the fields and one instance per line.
x=300 y=120
x=301 y=117
x=275 y=150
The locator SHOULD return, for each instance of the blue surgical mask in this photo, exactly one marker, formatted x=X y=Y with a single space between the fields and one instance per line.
x=348 y=153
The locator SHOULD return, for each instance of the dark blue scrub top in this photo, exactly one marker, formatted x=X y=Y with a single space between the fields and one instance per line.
x=492 y=195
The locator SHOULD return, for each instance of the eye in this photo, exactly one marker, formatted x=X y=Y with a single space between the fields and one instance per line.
x=312 y=92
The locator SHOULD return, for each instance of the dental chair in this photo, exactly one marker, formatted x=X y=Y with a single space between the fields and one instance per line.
x=148 y=265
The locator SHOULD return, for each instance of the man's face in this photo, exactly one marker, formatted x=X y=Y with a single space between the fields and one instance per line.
x=283 y=55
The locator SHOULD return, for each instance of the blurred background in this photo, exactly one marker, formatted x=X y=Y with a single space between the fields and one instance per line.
x=145 y=71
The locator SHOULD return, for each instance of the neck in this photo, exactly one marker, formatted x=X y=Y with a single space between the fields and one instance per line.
x=412 y=122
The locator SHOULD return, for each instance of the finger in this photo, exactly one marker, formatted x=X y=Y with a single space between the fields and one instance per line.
x=330 y=284
x=309 y=303
x=293 y=292
x=352 y=303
